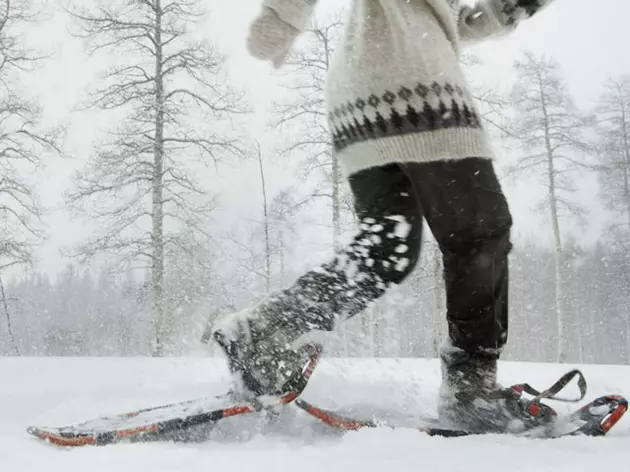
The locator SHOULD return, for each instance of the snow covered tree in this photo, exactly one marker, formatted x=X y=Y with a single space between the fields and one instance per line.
x=552 y=133
x=167 y=90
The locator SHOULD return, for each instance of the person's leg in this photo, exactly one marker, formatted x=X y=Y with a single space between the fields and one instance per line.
x=469 y=216
x=384 y=251
x=470 y=219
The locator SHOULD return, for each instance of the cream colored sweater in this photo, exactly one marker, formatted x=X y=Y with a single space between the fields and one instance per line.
x=395 y=90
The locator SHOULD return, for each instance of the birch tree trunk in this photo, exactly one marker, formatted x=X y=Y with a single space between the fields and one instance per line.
x=558 y=262
x=157 y=213
x=266 y=226
x=8 y=317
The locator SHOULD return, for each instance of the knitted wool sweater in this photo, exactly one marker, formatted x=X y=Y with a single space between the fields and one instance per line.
x=395 y=89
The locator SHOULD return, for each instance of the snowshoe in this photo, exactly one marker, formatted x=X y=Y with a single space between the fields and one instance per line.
x=594 y=419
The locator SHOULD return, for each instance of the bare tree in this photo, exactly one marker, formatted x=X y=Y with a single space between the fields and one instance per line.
x=251 y=258
x=494 y=105
x=171 y=92
x=24 y=144
x=614 y=156
x=5 y=306
x=282 y=212
x=263 y=249
x=23 y=140
x=613 y=166
x=266 y=223
x=304 y=113
x=551 y=131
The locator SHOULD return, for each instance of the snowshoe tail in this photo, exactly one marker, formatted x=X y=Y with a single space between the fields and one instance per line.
x=162 y=421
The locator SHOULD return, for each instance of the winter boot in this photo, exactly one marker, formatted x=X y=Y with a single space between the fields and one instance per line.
x=263 y=349
x=471 y=400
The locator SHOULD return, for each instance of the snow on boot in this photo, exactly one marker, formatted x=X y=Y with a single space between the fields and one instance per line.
x=471 y=400
x=262 y=350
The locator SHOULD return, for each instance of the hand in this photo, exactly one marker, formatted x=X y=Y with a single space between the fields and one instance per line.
x=270 y=38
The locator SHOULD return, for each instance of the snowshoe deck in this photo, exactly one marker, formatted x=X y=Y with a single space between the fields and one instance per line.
x=143 y=424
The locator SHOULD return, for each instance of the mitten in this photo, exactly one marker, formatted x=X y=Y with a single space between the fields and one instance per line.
x=270 y=38
x=517 y=10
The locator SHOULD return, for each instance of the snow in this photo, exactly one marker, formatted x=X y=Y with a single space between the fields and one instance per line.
x=58 y=391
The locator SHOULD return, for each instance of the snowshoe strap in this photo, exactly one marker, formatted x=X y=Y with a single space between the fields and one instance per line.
x=552 y=392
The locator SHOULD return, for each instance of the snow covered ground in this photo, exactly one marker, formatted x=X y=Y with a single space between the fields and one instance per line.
x=54 y=391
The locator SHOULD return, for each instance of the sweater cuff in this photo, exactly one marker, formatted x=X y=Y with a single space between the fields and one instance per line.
x=506 y=13
x=295 y=12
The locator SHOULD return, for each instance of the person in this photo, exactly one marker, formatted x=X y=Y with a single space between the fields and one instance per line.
x=408 y=135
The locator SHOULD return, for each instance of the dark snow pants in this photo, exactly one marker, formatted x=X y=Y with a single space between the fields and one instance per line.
x=464 y=207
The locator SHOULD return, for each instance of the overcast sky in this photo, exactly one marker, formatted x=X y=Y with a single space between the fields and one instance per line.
x=588 y=37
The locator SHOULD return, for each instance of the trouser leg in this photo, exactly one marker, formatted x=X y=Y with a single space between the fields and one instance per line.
x=383 y=252
x=469 y=216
